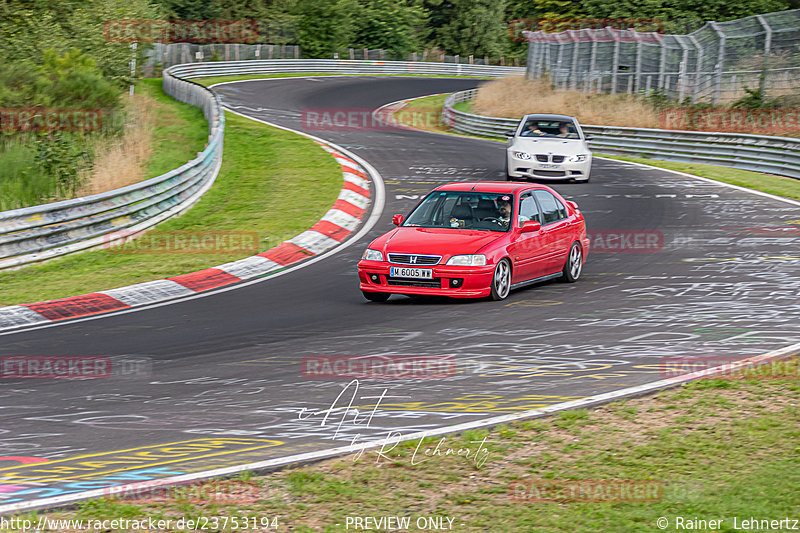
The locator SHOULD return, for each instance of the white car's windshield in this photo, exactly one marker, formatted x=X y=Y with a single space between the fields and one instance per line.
x=549 y=128
x=463 y=210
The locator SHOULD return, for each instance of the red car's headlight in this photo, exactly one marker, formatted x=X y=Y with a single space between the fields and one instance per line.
x=372 y=255
x=467 y=260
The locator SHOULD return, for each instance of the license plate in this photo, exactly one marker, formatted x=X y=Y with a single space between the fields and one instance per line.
x=405 y=272
x=548 y=166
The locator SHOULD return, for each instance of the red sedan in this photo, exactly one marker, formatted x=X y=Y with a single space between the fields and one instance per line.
x=477 y=239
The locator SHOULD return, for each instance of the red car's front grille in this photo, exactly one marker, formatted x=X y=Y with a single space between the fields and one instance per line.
x=434 y=283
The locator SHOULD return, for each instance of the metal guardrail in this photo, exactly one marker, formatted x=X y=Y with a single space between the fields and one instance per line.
x=41 y=232
x=339 y=66
x=759 y=153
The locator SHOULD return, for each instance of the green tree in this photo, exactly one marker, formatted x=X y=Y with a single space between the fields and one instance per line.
x=324 y=26
x=475 y=27
x=681 y=15
x=390 y=25
x=29 y=27
x=73 y=80
x=277 y=23
x=191 y=9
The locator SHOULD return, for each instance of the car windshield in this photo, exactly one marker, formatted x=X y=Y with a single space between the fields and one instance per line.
x=564 y=129
x=463 y=210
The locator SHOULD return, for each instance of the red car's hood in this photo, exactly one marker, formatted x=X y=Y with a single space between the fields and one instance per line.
x=434 y=241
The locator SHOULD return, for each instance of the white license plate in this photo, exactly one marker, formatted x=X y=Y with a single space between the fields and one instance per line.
x=548 y=166
x=405 y=272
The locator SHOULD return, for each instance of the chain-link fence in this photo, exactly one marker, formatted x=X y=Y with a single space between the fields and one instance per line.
x=713 y=64
x=167 y=55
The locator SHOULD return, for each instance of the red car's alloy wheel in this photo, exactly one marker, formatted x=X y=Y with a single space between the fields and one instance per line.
x=501 y=282
x=574 y=264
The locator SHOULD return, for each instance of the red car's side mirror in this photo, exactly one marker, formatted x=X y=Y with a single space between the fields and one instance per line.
x=530 y=226
x=572 y=204
x=397 y=219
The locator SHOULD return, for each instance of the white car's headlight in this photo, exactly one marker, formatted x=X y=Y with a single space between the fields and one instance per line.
x=467 y=260
x=372 y=255
x=521 y=155
x=577 y=158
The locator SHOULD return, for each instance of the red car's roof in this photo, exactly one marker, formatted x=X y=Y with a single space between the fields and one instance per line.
x=484 y=186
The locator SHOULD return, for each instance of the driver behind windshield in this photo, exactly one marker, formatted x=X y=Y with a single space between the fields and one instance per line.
x=504 y=210
x=533 y=130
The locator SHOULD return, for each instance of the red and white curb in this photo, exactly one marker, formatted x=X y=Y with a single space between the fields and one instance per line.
x=339 y=222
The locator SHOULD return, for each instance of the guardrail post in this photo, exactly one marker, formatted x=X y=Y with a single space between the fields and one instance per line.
x=698 y=69
x=639 y=47
x=614 y=61
x=682 y=69
x=762 y=84
x=720 y=61
x=532 y=67
x=573 y=82
x=559 y=62
x=592 y=62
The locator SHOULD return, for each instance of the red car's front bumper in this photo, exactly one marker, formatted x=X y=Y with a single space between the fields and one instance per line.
x=457 y=282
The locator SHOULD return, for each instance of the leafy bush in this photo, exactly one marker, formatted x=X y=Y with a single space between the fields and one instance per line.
x=754 y=99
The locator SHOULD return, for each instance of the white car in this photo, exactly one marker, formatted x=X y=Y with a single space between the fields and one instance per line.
x=548 y=147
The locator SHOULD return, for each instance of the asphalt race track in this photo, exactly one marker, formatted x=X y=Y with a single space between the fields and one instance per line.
x=221 y=374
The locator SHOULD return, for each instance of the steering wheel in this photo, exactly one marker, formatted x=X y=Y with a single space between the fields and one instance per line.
x=494 y=219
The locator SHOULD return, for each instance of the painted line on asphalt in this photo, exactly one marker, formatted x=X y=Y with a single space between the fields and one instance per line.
x=651 y=167
x=456 y=428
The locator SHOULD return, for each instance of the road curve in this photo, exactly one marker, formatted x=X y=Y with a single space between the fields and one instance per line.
x=222 y=385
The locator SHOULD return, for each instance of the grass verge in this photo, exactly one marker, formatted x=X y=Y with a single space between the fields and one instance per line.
x=223 y=79
x=180 y=130
x=264 y=173
x=769 y=183
x=723 y=448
